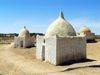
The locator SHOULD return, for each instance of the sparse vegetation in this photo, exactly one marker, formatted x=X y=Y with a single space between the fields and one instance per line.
x=97 y=36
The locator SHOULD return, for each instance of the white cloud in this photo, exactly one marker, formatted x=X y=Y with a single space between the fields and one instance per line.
x=84 y=22
x=92 y=12
x=94 y=26
x=20 y=23
x=39 y=25
x=52 y=19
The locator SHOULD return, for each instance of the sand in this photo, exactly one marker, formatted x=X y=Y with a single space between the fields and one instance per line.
x=20 y=61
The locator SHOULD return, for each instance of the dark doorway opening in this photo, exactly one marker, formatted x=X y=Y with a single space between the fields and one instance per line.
x=21 y=43
x=43 y=52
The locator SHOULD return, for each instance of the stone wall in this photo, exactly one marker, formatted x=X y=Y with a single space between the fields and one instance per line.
x=17 y=41
x=80 y=34
x=46 y=49
x=50 y=50
x=70 y=49
x=39 y=43
x=57 y=50
x=27 y=41
x=89 y=36
x=30 y=41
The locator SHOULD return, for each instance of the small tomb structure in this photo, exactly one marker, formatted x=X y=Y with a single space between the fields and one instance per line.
x=24 y=39
x=86 y=31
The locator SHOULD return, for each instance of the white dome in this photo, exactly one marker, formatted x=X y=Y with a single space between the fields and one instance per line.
x=24 y=32
x=61 y=27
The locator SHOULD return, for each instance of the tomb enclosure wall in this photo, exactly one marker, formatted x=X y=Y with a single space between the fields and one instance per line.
x=90 y=36
x=50 y=49
x=17 y=41
x=39 y=43
x=70 y=48
x=30 y=41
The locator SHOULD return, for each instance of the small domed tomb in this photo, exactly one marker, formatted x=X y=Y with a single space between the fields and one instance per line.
x=24 y=32
x=86 y=31
x=24 y=39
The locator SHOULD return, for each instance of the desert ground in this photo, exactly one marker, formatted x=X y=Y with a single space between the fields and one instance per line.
x=20 y=61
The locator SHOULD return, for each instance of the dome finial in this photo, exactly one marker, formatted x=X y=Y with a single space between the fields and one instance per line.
x=61 y=15
x=25 y=27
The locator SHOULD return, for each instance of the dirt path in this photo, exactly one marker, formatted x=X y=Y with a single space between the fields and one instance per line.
x=15 y=61
x=21 y=64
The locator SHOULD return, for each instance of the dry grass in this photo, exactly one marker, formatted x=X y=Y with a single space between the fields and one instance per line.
x=6 y=40
x=15 y=61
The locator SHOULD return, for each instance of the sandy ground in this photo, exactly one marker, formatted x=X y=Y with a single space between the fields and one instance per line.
x=17 y=61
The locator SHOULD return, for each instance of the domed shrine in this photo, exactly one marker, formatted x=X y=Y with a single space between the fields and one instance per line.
x=60 y=27
x=24 y=32
x=24 y=39
x=60 y=43
x=86 y=31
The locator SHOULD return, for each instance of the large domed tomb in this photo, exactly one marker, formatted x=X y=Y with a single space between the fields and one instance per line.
x=60 y=27
x=24 y=39
x=60 y=43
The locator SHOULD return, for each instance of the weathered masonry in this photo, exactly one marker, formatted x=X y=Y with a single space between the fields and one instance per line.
x=24 y=40
x=60 y=43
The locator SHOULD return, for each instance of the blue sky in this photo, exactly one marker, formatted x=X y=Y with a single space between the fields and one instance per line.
x=37 y=15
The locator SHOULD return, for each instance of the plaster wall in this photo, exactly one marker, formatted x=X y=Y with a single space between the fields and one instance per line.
x=30 y=41
x=70 y=49
x=89 y=36
x=80 y=34
x=27 y=41
x=61 y=49
x=17 y=41
x=39 y=47
x=50 y=50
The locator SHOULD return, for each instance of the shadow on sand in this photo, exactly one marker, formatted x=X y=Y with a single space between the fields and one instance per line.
x=73 y=62
x=30 y=46
x=91 y=41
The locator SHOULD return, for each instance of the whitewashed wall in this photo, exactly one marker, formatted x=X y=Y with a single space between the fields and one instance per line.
x=70 y=49
x=27 y=41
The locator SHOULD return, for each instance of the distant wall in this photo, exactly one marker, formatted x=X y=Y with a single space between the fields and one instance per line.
x=30 y=41
x=35 y=34
x=80 y=34
x=89 y=36
x=17 y=41
x=8 y=35
x=27 y=41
